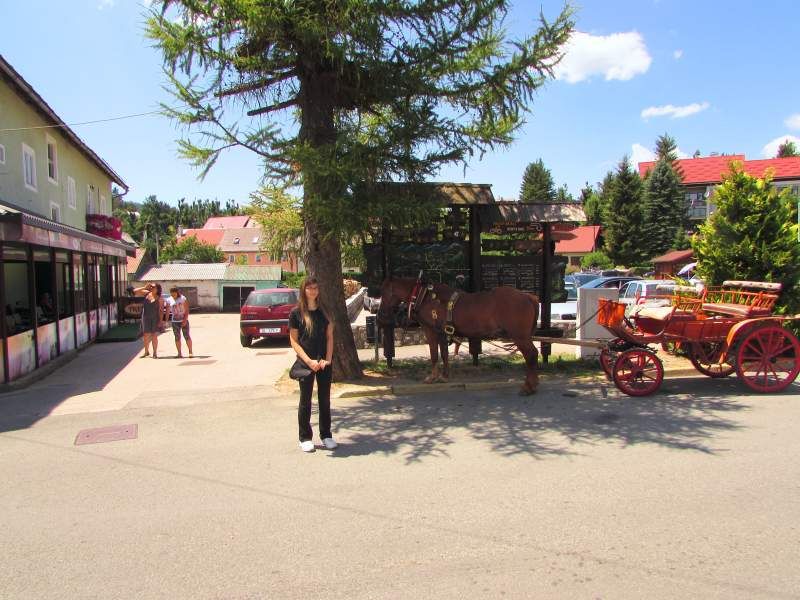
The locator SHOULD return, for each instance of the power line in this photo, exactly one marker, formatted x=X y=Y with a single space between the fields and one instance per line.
x=144 y=114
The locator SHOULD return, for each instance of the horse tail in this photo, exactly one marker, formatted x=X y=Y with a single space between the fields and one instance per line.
x=535 y=300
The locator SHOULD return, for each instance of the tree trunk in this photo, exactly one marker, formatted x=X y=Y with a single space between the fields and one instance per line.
x=322 y=253
x=323 y=260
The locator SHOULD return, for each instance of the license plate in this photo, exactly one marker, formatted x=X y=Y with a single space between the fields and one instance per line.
x=270 y=330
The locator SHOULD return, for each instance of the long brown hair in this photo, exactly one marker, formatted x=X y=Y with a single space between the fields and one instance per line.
x=303 y=305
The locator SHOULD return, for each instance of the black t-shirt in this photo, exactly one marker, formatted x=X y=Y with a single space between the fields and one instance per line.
x=316 y=344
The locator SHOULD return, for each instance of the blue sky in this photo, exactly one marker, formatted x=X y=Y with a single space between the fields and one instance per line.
x=717 y=76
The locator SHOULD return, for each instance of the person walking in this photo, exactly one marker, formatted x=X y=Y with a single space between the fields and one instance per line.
x=180 y=320
x=311 y=337
x=152 y=315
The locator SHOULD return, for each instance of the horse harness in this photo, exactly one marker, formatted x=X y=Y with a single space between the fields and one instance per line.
x=418 y=296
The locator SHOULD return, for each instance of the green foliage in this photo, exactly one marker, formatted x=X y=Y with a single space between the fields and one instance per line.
x=279 y=214
x=191 y=250
x=663 y=209
x=787 y=149
x=596 y=260
x=752 y=235
x=593 y=207
x=681 y=241
x=537 y=184
x=293 y=280
x=666 y=148
x=563 y=196
x=624 y=219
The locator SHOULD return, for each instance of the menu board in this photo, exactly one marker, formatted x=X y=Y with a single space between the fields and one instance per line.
x=517 y=272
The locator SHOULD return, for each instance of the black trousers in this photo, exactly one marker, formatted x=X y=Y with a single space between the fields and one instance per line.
x=324 y=400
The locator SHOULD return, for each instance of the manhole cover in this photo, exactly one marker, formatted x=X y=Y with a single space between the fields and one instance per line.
x=197 y=362
x=101 y=435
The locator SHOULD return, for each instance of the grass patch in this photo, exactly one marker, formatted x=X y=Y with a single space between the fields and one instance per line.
x=507 y=366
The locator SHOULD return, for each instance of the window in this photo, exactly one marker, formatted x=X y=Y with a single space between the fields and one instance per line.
x=258 y=258
x=2 y=154
x=103 y=206
x=71 y=193
x=52 y=161
x=45 y=295
x=255 y=240
x=29 y=167
x=235 y=240
x=696 y=205
x=55 y=212
x=231 y=258
x=18 y=310
x=89 y=201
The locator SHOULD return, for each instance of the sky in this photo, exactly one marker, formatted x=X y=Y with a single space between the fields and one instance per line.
x=717 y=76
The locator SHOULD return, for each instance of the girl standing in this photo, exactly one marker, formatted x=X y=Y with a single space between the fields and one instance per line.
x=152 y=314
x=311 y=336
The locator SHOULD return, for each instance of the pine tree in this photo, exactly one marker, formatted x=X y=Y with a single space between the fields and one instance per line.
x=752 y=235
x=344 y=94
x=624 y=232
x=537 y=184
x=663 y=209
x=787 y=149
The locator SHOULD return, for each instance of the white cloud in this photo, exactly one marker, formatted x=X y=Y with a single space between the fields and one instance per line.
x=675 y=112
x=617 y=56
x=793 y=122
x=105 y=4
x=640 y=154
x=677 y=55
x=771 y=149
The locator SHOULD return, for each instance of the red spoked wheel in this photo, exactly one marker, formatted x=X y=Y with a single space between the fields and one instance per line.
x=768 y=359
x=638 y=372
x=705 y=358
x=608 y=355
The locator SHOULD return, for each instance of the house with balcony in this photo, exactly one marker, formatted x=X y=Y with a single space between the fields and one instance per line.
x=62 y=262
x=701 y=175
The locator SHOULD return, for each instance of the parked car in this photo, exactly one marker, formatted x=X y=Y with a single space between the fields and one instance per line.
x=581 y=278
x=265 y=314
x=611 y=282
x=646 y=291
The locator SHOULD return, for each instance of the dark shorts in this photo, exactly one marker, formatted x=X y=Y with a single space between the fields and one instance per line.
x=176 y=329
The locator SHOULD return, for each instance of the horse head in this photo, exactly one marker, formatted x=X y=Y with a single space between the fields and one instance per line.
x=395 y=296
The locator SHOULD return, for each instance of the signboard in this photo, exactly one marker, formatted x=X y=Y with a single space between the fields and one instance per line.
x=130 y=308
x=520 y=272
x=515 y=227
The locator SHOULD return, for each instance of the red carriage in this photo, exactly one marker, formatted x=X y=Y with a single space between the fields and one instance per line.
x=721 y=330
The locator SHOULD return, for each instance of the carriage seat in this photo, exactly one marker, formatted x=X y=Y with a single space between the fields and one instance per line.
x=736 y=310
x=660 y=313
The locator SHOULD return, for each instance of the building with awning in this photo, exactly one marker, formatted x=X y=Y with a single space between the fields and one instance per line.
x=62 y=260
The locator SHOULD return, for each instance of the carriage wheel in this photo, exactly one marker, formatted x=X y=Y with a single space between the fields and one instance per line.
x=768 y=359
x=638 y=372
x=608 y=355
x=705 y=358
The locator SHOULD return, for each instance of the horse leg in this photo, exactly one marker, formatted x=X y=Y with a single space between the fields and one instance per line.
x=433 y=345
x=531 y=358
x=445 y=359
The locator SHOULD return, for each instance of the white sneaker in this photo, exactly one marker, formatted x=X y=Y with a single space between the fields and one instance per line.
x=307 y=446
x=329 y=443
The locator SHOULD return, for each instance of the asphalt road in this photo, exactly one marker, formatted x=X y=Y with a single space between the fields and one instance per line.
x=577 y=492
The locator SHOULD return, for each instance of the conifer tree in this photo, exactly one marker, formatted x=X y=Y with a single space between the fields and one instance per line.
x=341 y=94
x=624 y=231
x=663 y=209
x=752 y=235
x=537 y=184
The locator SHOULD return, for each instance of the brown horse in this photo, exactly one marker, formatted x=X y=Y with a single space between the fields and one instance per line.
x=501 y=313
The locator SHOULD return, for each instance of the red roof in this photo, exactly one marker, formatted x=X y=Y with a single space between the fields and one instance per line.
x=710 y=169
x=226 y=222
x=207 y=236
x=135 y=261
x=674 y=256
x=584 y=239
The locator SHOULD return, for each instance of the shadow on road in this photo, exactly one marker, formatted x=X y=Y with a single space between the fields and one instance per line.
x=98 y=364
x=551 y=423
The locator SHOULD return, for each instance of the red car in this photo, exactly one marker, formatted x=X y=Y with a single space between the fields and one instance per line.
x=265 y=314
